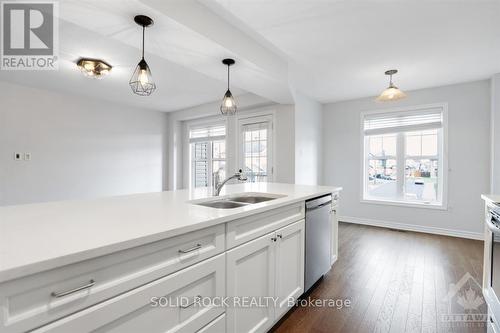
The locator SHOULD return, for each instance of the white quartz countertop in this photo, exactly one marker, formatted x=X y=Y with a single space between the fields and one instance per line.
x=493 y=198
x=38 y=237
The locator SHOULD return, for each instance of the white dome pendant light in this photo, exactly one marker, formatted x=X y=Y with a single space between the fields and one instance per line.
x=228 y=106
x=392 y=93
x=141 y=81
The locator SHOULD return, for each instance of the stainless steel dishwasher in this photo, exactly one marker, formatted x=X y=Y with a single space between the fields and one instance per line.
x=318 y=239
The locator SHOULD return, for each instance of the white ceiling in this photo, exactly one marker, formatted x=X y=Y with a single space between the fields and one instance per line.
x=340 y=49
x=177 y=87
x=329 y=50
x=106 y=30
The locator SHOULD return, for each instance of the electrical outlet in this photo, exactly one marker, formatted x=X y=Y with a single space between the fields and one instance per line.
x=27 y=156
x=17 y=156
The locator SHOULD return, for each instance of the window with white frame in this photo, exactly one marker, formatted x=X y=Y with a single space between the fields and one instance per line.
x=404 y=156
x=207 y=153
x=256 y=148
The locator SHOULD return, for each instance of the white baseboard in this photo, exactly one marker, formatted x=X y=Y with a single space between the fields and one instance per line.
x=334 y=259
x=412 y=227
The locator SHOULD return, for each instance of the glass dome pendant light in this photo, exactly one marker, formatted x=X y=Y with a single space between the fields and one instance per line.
x=392 y=93
x=228 y=106
x=141 y=81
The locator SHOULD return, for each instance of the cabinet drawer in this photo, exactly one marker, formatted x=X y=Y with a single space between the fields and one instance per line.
x=251 y=227
x=218 y=325
x=135 y=311
x=38 y=299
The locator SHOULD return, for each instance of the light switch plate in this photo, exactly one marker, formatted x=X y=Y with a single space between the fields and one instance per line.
x=17 y=156
x=27 y=156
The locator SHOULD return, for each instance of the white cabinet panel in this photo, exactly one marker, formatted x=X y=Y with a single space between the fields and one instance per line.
x=251 y=272
x=289 y=265
x=248 y=228
x=133 y=312
x=271 y=267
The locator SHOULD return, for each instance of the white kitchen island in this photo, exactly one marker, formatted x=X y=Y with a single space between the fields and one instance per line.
x=107 y=264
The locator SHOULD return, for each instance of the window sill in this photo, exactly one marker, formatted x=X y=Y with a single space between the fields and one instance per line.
x=410 y=204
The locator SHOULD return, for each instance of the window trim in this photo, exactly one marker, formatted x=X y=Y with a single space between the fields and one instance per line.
x=443 y=154
x=201 y=123
x=253 y=119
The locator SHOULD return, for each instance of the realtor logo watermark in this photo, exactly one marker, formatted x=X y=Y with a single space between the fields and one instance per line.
x=466 y=305
x=30 y=35
x=185 y=302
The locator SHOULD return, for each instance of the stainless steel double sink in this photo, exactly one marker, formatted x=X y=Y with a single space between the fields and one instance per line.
x=239 y=200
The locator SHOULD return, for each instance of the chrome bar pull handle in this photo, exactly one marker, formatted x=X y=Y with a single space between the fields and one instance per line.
x=72 y=291
x=190 y=304
x=194 y=248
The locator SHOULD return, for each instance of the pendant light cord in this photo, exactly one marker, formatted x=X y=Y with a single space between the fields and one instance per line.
x=227 y=77
x=143 y=29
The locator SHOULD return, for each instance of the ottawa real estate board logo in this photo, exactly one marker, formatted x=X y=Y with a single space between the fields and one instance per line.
x=30 y=35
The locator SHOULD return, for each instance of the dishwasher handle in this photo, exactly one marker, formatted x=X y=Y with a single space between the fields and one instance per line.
x=313 y=203
x=328 y=203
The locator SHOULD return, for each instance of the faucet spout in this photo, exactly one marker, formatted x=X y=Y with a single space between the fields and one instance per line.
x=219 y=185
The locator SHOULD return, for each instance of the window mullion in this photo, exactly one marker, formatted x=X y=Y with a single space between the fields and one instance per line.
x=193 y=164
x=441 y=165
x=210 y=163
x=366 y=156
x=400 y=164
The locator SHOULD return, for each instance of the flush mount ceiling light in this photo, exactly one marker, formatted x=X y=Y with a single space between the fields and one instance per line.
x=93 y=68
x=392 y=93
x=228 y=106
x=141 y=81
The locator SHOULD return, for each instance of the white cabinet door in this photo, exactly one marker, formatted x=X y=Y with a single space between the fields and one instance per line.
x=251 y=273
x=289 y=266
x=135 y=311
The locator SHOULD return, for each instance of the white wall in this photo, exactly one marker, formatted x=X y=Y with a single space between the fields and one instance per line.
x=284 y=152
x=308 y=140
x=81 y=148
x=468 y=156
x=495 y=134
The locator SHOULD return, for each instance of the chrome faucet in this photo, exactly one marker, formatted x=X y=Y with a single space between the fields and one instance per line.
x=218 y=184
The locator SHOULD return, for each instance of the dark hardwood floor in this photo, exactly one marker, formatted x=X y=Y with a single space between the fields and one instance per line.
x=396 y=282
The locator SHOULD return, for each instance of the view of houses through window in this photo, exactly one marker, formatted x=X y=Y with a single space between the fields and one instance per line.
x=252 y=153
x=255 y=150
x=404 y=157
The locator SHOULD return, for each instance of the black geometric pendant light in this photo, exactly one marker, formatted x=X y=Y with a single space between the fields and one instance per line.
x=141 y=81
x=228 y=106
